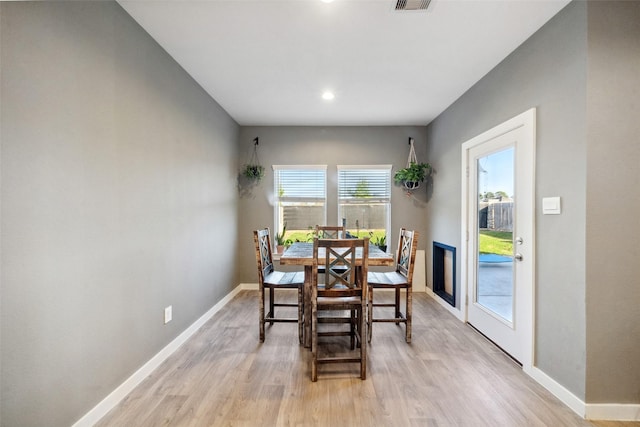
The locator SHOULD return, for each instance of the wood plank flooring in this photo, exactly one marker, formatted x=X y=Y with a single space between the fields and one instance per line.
x=449 y=376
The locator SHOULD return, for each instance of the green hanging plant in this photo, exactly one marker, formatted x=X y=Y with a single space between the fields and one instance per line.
x=253 y=172
x=413 y=174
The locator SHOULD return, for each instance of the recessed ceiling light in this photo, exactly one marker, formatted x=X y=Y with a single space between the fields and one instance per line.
x=328 y=95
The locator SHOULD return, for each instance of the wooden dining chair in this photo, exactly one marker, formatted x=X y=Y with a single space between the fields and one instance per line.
x=271 y=279
x=401 y=278
x=330 y=231
x=340 y=291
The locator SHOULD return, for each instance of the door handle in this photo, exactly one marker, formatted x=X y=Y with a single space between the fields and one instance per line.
x=518 y=257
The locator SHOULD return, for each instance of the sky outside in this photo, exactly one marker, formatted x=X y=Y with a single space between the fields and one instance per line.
x=495 y=172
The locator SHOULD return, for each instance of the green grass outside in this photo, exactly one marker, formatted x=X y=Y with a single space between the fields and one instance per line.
x=299 y=236
x=307 y=236
x=496 y=242
x=491 y=242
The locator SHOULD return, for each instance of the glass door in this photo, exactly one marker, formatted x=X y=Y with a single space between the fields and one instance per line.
x=494 y=233
x=498 y=252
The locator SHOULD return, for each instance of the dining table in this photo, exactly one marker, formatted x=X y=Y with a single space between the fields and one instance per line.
x=301 y=253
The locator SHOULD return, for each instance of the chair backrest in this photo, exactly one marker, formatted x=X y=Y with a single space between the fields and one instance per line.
x=330 y=231
x=264 y=258
x=345 y=262
x=406 y=255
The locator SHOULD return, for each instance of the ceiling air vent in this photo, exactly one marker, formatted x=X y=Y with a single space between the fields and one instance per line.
x=412 y=4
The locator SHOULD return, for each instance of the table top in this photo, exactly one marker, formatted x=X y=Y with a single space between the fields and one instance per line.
x=301 y=253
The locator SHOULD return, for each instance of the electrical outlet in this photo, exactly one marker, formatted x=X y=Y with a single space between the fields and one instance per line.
x=168 y=315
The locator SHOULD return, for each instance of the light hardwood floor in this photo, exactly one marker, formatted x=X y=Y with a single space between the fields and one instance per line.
x=449 y=376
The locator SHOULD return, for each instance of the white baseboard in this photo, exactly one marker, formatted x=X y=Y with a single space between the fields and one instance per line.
x=603 y=411
x=589 y=411
x=613 y=411
x=109 y=402
x=451 y=309
x=559 y=391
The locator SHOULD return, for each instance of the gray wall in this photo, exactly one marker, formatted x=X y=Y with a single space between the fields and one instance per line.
x=118 y=183
x=548 y=71
x=581 y=71
x=613 y=203
x=282 y=145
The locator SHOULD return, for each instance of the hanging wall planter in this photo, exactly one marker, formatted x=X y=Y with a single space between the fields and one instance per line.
x=254 y=171
x=411 y=176
x=415 y=173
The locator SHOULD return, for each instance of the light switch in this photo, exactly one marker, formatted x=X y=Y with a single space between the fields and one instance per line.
x=551 y=206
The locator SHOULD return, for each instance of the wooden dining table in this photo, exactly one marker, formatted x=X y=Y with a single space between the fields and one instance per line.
x=301 y=253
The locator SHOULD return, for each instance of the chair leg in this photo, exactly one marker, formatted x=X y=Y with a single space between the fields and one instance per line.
x=363 y=346
x=408 y=312
x=300 y=310
x=261 y=312
x=370 y=314
x=352 y=329
x=398 y=312
x=314 y=343
x=272 y=296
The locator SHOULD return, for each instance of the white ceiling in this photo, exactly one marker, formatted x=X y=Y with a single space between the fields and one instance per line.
x=267 y=62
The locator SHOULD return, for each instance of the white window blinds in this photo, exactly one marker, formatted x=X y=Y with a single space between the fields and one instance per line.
x=300 y=183
x=364 y=184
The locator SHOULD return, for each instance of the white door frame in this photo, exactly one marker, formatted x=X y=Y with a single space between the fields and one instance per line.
x=526 y=121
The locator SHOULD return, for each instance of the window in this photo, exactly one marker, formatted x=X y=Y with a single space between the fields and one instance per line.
x=364 y=200
x=300 y=200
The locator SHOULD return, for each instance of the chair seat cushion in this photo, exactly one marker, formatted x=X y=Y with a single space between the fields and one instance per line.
x=390 y=278
x=285 y=278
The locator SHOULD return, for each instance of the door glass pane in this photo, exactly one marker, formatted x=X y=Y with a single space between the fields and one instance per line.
x=495 y=283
